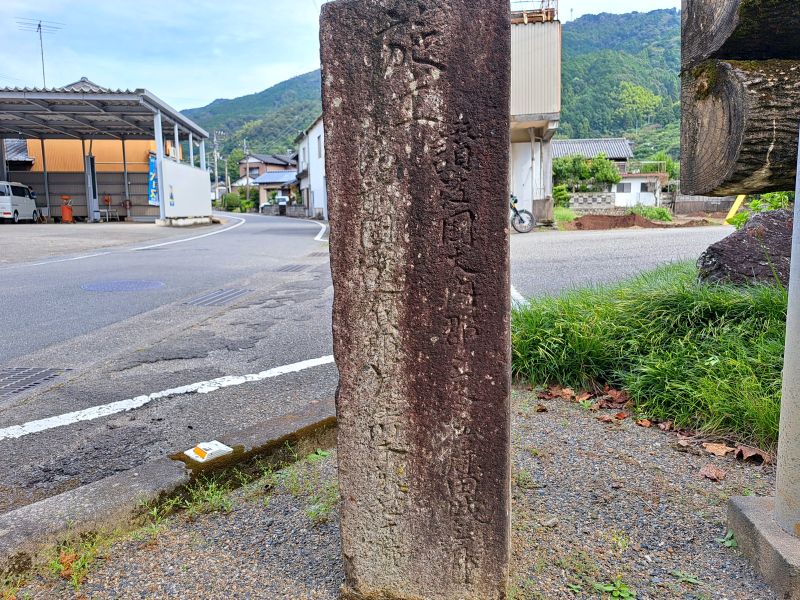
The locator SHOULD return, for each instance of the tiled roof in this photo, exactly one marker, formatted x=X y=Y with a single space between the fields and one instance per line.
x=277 y=177
x=613 y=148
x=281 y=160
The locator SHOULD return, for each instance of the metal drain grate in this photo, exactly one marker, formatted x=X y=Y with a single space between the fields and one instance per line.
x=19 y=380
x=218 y=298
x=293 y=268
x=319 y=254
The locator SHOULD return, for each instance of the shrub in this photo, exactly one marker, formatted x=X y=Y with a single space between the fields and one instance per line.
x=703 y=356
x=654 y=213
x=231 y=201
x=561 y=196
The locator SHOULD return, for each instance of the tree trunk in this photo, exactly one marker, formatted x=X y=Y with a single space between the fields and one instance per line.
x=739 y=30
x=740 y=127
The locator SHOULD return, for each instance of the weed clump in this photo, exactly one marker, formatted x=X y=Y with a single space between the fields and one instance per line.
x=704 y=356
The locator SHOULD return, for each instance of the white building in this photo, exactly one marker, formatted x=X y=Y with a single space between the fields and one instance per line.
x=639 y=188
x=311 y=170
x=535 y=106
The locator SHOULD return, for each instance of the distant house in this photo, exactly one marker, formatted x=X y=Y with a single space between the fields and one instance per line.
x=282 y=182
x=615 y=149
x=255 y=165
x=642 y=181
x=311 y=170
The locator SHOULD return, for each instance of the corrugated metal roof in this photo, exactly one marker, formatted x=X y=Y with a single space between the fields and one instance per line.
x=277 y=177
x=17 y=151
x=613 y=148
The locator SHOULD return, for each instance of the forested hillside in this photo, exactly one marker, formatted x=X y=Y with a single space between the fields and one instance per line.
x=620 y=77
x=270 y=120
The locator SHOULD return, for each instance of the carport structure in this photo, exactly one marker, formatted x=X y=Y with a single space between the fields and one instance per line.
x=85 y=111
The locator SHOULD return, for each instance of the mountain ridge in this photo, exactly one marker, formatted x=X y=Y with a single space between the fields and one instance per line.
x=620 y=76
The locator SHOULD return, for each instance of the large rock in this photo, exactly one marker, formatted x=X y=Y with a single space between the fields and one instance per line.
x=760 y=252
x=416 y=103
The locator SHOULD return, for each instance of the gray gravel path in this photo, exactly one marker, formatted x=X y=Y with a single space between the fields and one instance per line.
x=593 y=503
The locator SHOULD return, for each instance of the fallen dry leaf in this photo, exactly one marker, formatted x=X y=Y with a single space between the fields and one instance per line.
x=647 y=423
x=617 y=396
x=621 y=416
x=665 y=426
x=718 y=449
x=541 y=408
x=583 y=397
x=567 y=393
x=605 y=419
x=750 y=454
x=713 y=473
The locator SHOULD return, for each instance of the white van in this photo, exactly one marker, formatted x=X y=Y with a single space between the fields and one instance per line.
x=16 y=203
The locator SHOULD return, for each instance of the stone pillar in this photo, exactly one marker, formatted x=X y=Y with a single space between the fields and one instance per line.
x=416 y=106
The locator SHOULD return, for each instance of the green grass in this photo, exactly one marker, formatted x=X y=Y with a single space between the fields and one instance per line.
x=653 y=213
x=704 y=356
x=563 y=214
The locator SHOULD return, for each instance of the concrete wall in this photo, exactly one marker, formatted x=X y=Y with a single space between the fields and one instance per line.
x=592 y=202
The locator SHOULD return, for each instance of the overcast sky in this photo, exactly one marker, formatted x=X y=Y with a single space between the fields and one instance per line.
x=188 y=52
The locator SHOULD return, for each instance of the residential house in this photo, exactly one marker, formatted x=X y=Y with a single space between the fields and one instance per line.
x=284 y=183
x=642 y=181
x=311 y=170
x=255 y=165
x=618 y=150
x=535 y=105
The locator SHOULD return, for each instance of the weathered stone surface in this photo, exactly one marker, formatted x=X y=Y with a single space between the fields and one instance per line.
x=760 y=252
x=416 y=102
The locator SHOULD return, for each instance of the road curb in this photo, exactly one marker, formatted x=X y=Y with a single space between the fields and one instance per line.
x=116 y=500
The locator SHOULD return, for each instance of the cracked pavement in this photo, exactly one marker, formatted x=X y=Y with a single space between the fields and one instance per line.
x=122 y=345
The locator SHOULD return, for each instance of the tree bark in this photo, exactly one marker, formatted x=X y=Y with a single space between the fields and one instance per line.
x=740 y=127
x=739 y=30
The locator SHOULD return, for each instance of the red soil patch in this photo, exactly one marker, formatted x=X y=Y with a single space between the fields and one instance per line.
x=602 y=222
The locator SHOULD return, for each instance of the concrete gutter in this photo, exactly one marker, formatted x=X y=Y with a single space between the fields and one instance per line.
x=116 y=500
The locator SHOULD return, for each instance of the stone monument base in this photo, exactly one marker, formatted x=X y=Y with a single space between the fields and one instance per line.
x=773 y=552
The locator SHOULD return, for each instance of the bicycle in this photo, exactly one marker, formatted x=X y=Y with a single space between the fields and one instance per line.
x=521 y=220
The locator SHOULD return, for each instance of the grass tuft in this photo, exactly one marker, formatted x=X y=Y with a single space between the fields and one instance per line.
x=703 y=356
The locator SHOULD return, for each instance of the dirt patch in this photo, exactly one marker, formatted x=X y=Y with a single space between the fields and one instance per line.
x=602 y=222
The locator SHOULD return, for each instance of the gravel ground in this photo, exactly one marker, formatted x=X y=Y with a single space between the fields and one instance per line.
x=593 y=503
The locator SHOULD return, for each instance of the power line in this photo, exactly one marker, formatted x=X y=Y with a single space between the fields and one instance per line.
x=41 y=28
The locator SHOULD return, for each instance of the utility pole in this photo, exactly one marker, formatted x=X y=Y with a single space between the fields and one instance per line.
x=216 y=172
x=246 y=173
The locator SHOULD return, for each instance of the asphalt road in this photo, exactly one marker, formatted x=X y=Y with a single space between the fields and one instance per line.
x=125 y=346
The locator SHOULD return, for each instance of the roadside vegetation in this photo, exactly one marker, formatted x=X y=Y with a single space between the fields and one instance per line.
x=705 y=357
x=761 y=203
x=652 y=213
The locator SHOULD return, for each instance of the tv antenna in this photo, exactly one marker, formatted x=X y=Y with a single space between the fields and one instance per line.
x=41 y=28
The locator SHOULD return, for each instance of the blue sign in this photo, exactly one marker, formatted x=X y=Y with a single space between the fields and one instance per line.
x=152 y=183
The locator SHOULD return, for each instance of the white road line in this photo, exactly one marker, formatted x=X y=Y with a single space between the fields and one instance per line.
x=202 y=387
x=123 y=250
x=197 y=237
x=321 y=233
x=517 y=299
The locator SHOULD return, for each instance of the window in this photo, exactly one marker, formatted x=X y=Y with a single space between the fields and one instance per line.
x=253 y=172
x=623 y=188
x=319 y=146
x=18 y=190
x=648 y=188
